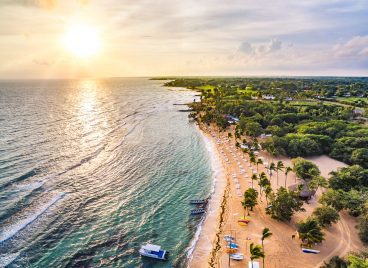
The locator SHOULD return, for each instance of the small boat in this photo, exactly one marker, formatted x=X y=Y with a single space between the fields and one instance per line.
x=232 y=245
x=197 y=211
x=244 y=220
x=153 y=251
x=308 y=250
x=198 y=201
x=228 y=238
x=237 y=256
x=231 y=250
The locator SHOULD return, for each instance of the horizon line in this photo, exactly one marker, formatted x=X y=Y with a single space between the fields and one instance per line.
x=188 y=76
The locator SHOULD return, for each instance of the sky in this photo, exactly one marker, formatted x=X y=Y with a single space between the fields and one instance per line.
x=188 y=38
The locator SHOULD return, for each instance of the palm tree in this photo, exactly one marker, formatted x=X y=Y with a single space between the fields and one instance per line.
x=317 y=182
x=254 y=178
x=263 y=181
x=252 y=159
x=310 y=231
x=259 y=161
x=279 y=167
x=287 y=170
x=265 y=234
x=268 y=192
x=271 y=168
x=255 y=252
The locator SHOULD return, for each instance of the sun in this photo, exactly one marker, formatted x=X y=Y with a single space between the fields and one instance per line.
x=82 y=40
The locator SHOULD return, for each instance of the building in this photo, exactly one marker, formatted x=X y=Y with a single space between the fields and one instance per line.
x=268 y=97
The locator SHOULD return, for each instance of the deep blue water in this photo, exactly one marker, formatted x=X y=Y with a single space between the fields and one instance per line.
x=92 y=169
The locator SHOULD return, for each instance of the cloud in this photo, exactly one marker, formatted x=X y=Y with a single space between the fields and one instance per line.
x=260 y=49
x=246 y=48
x=356 y=47
x=45 y=4
x=41 y=62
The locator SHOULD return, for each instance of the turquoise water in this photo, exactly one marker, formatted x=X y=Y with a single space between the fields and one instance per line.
x=92 y=169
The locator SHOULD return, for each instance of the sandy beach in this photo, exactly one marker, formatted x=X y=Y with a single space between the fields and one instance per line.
x=232 y=179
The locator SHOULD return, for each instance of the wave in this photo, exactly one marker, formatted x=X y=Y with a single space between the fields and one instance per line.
x=8 y=232
x=28 y=174
x=84 y=160
x=7 y=259
x=195 y=239
x=217 y=170
x=30 y=186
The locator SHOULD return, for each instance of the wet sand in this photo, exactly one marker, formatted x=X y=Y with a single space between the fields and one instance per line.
x=281 y=250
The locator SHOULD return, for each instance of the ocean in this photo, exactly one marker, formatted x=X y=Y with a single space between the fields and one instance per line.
x=92 y=169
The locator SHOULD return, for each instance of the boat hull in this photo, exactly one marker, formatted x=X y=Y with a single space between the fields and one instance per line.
x=311 y=251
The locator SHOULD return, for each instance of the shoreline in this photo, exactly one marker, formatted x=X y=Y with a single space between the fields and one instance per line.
x=209 y=251
x=208 y=234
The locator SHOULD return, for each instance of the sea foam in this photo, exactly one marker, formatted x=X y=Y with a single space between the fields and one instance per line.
x=12 y=229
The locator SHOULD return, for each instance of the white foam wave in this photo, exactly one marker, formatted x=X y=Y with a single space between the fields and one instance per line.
x=33 y=185
x=30 y=186
x=7 y=259
x=218 y=172
x=8 y=232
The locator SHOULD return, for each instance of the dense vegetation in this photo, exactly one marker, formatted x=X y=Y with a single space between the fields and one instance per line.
x=353 y=260
x=296 y=117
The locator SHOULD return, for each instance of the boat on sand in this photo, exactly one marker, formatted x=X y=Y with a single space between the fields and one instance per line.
x=237 y=256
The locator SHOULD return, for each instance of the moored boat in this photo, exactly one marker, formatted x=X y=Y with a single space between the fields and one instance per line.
x=197 y=211
x=237 y=256
x=308 y=250
x=232 y=245
x=228 y=238
x=153 y=251
x=198 y=201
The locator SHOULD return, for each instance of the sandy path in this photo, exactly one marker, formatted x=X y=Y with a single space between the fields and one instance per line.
x=281 y=250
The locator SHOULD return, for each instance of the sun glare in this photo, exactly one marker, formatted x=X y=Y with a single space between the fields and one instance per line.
x=82 y=40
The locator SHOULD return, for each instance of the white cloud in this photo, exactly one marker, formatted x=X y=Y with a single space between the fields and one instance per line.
x=354 y=48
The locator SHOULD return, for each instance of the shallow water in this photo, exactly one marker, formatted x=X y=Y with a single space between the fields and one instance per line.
x=92 y=169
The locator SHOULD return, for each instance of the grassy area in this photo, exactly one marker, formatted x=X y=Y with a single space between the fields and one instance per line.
x=351 y=98
x=247 y=91
x=207 y=87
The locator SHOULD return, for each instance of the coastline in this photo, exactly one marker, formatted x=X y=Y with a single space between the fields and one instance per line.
x=207 y=234
x=209 y=250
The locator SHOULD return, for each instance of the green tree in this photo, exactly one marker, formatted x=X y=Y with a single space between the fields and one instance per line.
x=317 y=182
x=335 y=262
x=363 y=228
x=268 y=192
x=255 y=252
x=265 y=234
x=357 y=261
x=250 y=199
x=360 y=157
x=262 y=182
x=272 y=168
x=334 y=198
x=259 y=162
x=305 y=169
x=279 y=167
x=310 y=231
x=284 y=204
x=252 y=159
x=253 y=129
x=349 y=177
x=326 y=215
x=287 y=171
x=254 y=178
